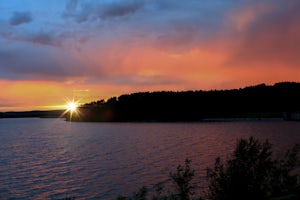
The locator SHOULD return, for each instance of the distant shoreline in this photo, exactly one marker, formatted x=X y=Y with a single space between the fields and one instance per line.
x=253 y=103
x=59 y=114
x=33 y=114
x=241 y=119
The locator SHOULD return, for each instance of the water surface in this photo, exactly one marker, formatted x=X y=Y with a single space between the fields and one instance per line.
x=52 y=158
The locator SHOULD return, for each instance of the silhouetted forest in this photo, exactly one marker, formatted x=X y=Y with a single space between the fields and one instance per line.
x=260 y=101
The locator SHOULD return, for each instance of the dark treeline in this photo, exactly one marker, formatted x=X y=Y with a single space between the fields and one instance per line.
x=260 y=101
x=41 y=114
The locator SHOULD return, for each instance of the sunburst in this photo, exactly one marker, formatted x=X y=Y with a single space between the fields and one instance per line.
x=72 y=106
x=71 y=109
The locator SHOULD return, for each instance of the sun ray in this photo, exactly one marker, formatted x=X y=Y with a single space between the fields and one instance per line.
x=71 y=109
x=72 y=106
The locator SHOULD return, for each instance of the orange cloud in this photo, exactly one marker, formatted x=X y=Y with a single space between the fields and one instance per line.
x=244 y=44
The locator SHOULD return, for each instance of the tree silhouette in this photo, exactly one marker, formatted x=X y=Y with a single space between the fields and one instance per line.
x=183 y=181
x=250 y=102
x=251 y=173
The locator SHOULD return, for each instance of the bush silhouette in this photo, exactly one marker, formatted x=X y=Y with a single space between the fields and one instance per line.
x=183 y=186
x=141 y=194
x=183 y=181
x=252 y=173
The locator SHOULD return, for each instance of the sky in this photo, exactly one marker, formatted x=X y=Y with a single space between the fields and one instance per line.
x=55 y=51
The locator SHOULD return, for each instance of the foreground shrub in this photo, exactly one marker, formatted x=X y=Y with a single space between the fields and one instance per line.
x=183 y=181
x=183 y=186
x=252 y=173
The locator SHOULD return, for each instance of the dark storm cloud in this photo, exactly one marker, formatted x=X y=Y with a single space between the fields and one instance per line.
x=23 y=62
x=37 y=38
x=119 y=10
x=93 y=10
x=167 y=23
x=44 y=38
x=20 y=18
x=49 y=38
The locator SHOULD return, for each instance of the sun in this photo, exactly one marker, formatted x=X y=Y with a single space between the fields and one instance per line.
x=72 y=106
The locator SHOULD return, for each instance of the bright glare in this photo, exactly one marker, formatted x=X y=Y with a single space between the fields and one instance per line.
x=72 y=106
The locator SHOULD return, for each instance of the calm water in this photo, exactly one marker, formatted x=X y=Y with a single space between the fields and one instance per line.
x=51 y=158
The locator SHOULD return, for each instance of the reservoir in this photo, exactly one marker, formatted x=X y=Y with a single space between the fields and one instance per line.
x=53 y=159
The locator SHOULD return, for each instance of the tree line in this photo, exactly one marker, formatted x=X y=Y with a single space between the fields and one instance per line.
x=257 y=101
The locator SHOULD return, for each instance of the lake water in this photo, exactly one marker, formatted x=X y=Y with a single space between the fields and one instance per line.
x=52 y=158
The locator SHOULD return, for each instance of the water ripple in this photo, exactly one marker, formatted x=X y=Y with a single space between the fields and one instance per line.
x=52 y=159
